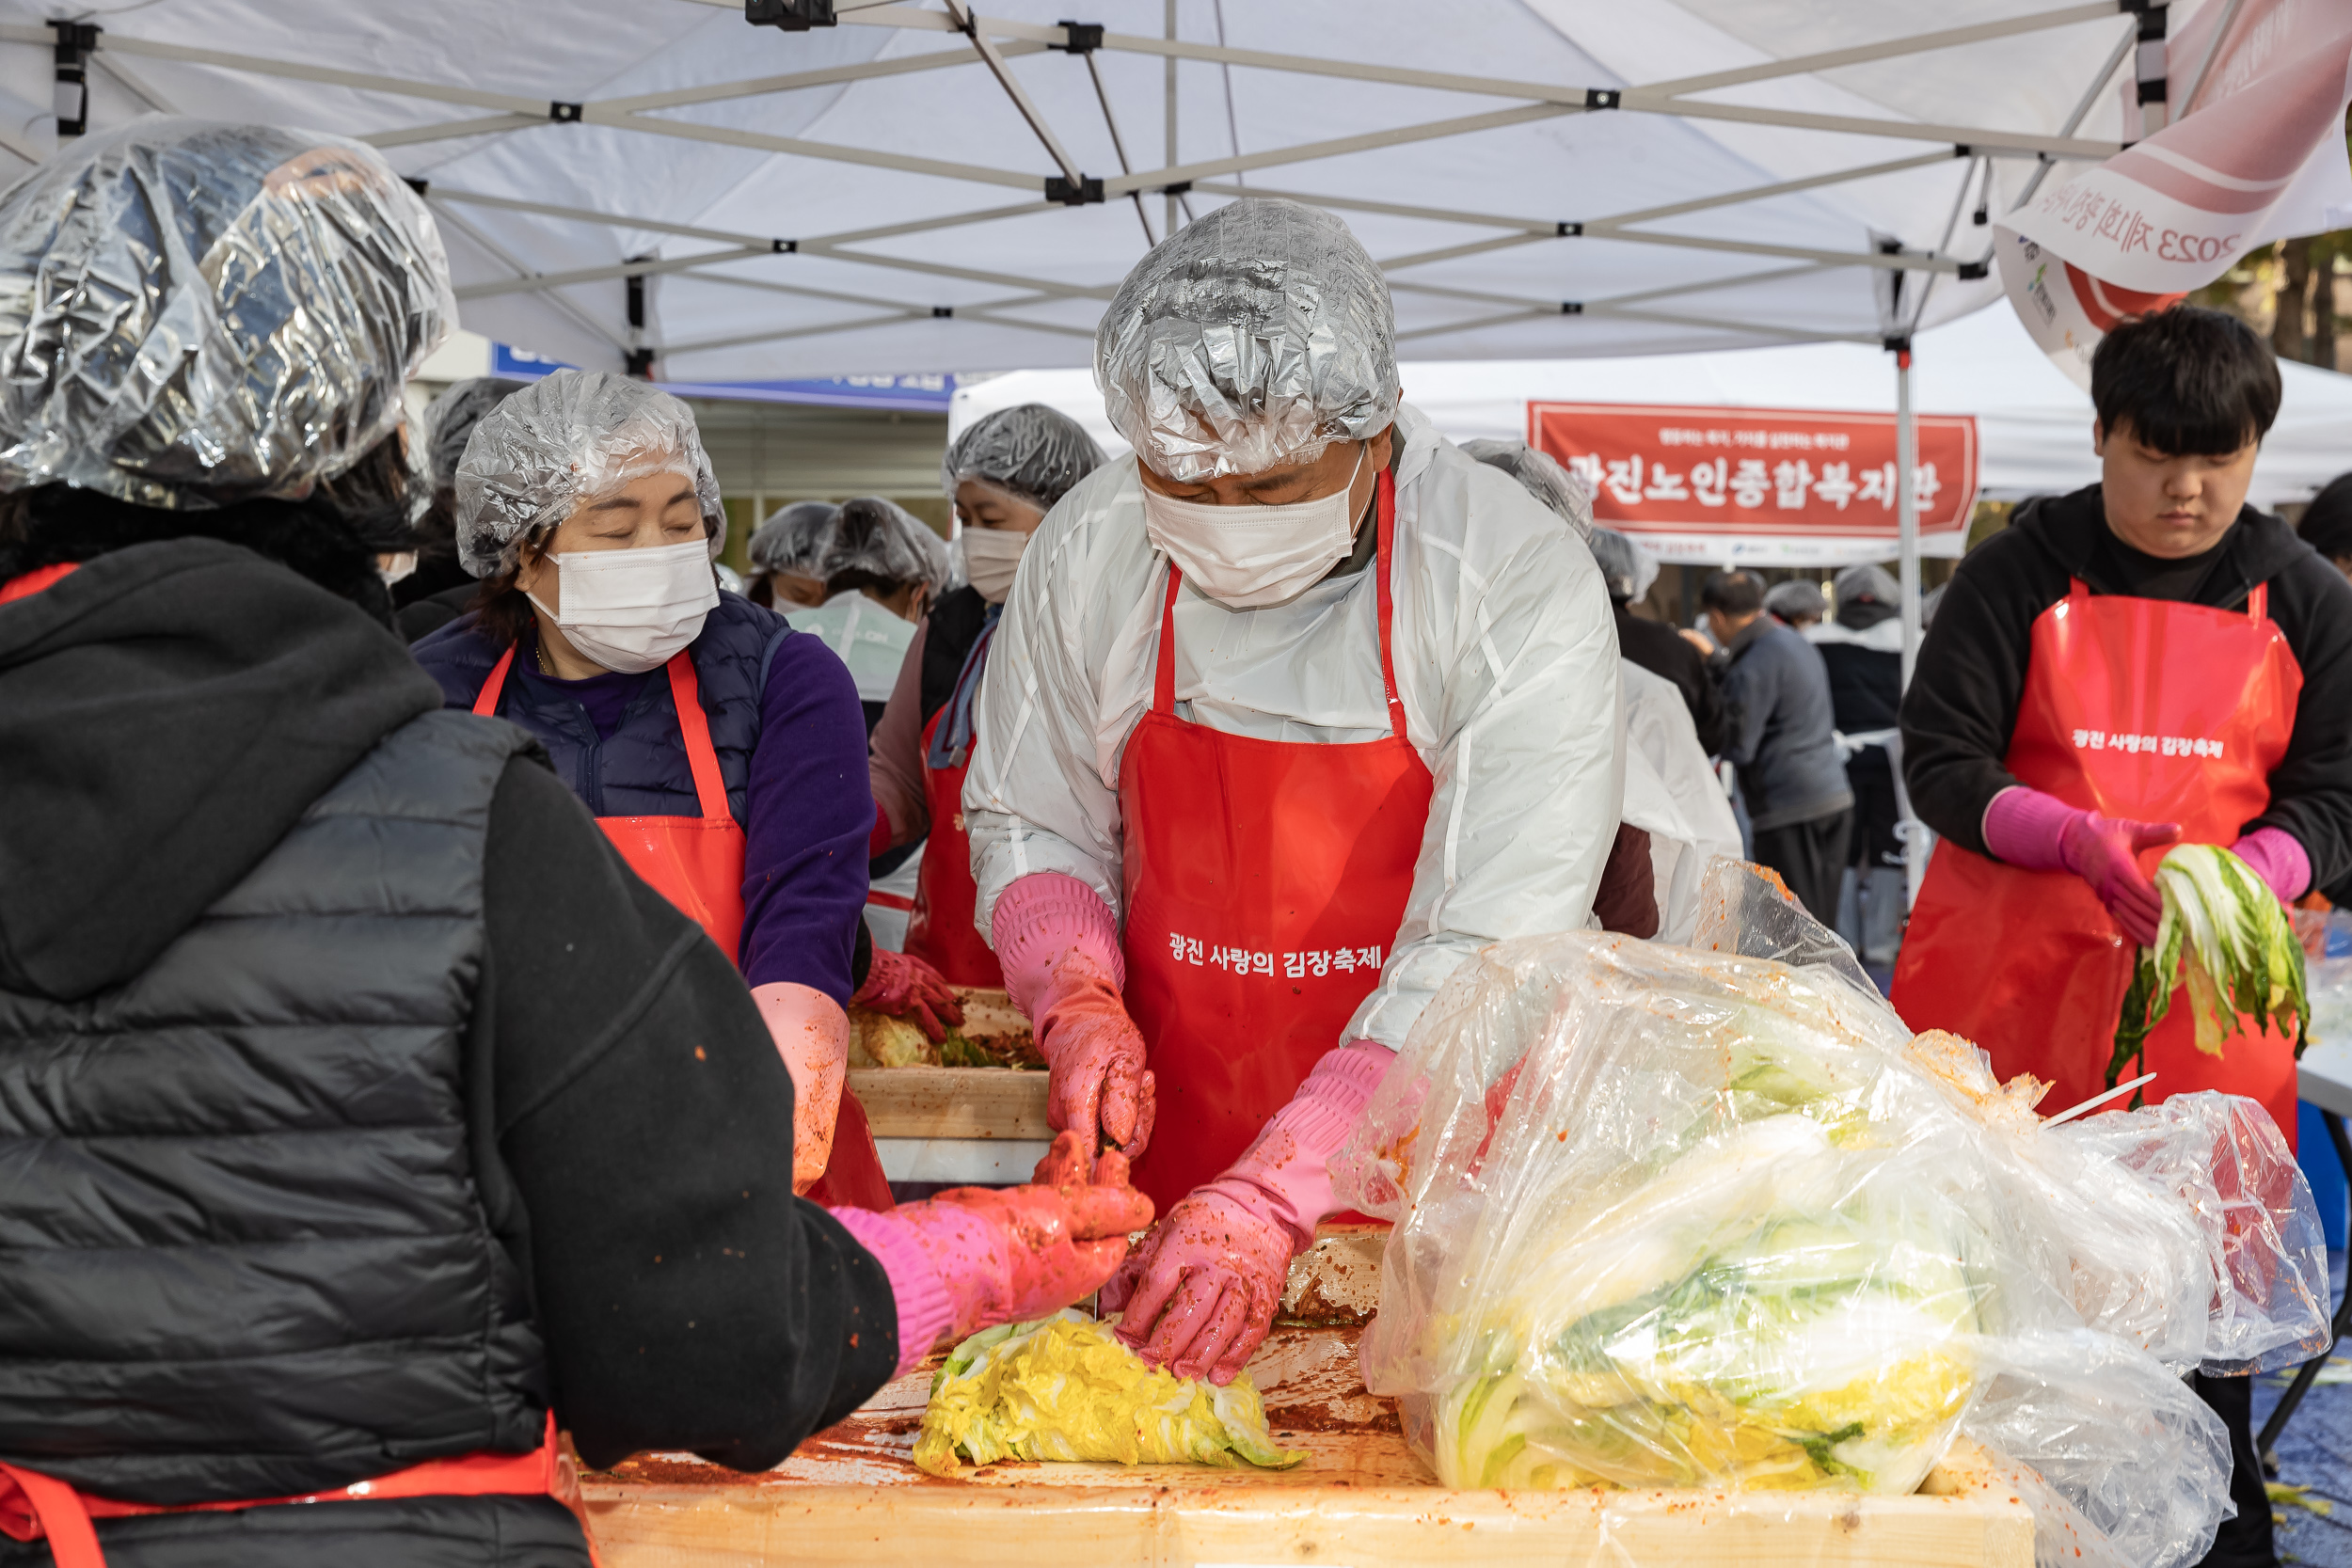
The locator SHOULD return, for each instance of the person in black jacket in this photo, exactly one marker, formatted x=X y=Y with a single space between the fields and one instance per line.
x=1654 y=645
x=1781 y=738
x=2146 y=660
x=361 y=1107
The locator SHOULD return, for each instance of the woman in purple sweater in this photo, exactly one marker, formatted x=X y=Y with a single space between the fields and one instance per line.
x=723 y=755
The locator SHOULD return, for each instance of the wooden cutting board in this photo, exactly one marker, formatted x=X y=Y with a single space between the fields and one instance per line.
x=852 y=1494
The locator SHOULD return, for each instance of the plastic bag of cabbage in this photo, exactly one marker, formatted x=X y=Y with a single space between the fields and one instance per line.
x=1670 y=1218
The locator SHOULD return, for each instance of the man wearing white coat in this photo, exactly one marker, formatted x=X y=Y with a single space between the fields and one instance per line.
x=1288 y=713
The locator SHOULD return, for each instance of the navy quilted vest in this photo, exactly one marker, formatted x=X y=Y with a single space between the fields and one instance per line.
x=640 y=768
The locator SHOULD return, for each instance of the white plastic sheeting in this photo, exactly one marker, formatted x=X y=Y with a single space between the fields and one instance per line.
x=871 y=196
x=2033 y=423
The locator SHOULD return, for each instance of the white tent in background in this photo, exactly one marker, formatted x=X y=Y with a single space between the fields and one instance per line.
x=2033 y=423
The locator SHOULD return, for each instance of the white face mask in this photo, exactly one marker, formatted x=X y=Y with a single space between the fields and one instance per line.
x=1246 y=556
x=631 y=610
x=991 y=557
x=398 y=566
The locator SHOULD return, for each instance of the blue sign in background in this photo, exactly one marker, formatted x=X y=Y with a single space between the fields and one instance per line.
x=919 y=393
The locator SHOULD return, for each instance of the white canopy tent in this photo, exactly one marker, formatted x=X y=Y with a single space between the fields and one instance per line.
x=1542 y=178
x=2033 y=423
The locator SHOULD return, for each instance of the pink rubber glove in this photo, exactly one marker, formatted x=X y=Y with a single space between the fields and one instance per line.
x=2041 y=832
x=972 y=1257
x=2278 y=860
x=812 y=1035
x=1201 y=1295
x=1058 y=945
x=903 y=986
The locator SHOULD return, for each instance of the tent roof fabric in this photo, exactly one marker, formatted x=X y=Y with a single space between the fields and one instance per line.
x=1539 y=178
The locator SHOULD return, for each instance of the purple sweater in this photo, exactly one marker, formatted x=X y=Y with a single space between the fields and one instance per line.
x=808 y=811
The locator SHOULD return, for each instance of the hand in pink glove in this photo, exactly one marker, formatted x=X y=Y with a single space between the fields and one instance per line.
x=1060 y=948
x=903 y=986
x=2041 y=832
x=1199 y=1296
x=972 y=1257
x=2278 y=860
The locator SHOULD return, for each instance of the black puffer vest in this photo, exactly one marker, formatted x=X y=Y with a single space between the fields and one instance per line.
x=241 y=1250
x=640 y=768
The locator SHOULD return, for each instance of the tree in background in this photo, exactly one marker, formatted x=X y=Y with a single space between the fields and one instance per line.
x=2298 y=291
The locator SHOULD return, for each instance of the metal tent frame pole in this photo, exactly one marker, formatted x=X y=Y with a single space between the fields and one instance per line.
x=1914 y=836
x=995 y=42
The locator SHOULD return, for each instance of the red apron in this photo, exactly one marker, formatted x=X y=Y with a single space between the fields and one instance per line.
x=1264 y=882
x=696 y=862
x=2133 y=707
x=940 y=932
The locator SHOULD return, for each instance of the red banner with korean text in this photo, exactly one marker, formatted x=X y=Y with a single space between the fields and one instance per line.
x=1774 y=486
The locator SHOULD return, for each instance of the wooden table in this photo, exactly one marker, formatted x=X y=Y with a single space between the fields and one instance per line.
x=852 y=1496
x=954 y=1124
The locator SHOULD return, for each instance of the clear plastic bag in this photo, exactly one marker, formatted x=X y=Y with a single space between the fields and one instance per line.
x=1678 y=1217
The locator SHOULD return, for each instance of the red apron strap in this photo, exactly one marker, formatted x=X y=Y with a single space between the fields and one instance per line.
x=63 y=1519
x=2257 y=602
x=1164 y=671
x=1386 y=490
x=486 y=704
x=34 y=581
x=694 y=724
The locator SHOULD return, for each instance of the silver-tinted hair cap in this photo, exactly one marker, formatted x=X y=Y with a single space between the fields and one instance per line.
x=571 y=437
x=193 y=313
x=1252 y=337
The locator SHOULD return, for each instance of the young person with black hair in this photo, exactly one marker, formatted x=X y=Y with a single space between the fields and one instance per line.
x=2146 y=661
x=362 y=1110
x=1779 y=734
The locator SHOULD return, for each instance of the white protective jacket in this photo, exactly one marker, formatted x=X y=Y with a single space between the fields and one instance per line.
x=1672 y=792
x=1506 y=664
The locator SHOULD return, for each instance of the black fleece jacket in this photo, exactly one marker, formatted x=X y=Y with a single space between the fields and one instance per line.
x=1962 y=707
x=170 y=710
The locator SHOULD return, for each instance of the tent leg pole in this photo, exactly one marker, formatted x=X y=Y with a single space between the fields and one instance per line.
x=1170 y=78
x=1907 y=514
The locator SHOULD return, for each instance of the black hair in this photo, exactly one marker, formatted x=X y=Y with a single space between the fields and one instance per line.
x=1733 y=592
x=2185 y=380
x=332 y=536
x=2327 y=524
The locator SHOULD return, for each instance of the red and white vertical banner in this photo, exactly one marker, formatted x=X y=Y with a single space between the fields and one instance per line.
x=1772 y=486
x=2259 y=153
